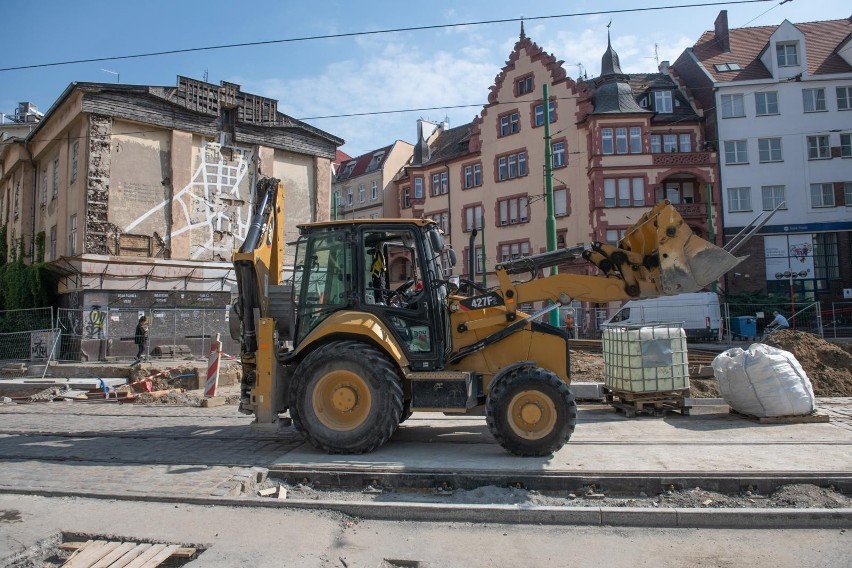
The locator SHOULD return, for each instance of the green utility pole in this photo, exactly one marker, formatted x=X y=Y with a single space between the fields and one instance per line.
x=482 y=252
x=710 y=233
x=548 y=192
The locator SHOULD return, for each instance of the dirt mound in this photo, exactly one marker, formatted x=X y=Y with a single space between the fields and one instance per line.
x=829 y=367
x=173 y=397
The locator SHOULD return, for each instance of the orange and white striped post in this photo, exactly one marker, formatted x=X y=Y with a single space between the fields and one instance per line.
x=213 y=368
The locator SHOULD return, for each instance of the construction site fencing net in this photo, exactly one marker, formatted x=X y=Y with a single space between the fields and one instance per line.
x=178 y=333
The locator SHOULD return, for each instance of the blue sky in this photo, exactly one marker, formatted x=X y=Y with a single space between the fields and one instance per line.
x=401 y=70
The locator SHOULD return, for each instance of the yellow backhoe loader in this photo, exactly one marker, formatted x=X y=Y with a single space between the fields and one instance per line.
x=370 y=328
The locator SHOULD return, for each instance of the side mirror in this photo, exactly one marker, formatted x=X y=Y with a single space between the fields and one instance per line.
x=454 y=283
x=451 y=257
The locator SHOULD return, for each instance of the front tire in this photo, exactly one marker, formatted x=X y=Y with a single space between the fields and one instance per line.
x=346 y=398
x=531 y=412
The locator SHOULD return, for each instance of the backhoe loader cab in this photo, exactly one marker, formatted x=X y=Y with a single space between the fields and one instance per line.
x=370 y=328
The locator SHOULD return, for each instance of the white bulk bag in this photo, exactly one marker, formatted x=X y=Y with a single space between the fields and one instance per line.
x=764 y=381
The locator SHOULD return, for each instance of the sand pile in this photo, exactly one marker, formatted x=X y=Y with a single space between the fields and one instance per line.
x=829 y=367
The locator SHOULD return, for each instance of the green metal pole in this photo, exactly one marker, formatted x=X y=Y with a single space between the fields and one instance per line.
x=710 y=232
x=482 y=252
x=548 y=191
x=334 y=210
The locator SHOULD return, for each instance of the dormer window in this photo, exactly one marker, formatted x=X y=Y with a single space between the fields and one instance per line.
x=724 y=67
x=348 y=170
x=787 y=54
x=375 y=161
x=663 y=101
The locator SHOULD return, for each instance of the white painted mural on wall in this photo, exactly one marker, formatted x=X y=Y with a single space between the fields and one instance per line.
x=215 y=202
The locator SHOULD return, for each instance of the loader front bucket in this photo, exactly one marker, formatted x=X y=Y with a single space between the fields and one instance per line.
x=691 y=263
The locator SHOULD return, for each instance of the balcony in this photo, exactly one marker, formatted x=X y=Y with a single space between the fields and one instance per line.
x=685 y=159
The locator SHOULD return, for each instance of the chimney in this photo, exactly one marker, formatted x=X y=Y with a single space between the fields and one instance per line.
x=720 y=27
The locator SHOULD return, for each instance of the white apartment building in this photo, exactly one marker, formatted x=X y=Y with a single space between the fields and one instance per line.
x=780 y=100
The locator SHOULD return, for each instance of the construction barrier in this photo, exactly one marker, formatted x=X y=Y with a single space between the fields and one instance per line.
x=213 y=368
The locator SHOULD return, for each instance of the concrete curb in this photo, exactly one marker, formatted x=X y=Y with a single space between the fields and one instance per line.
x=745 y=518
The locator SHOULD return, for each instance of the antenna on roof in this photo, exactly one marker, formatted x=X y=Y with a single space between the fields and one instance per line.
x=205 y=75
x=656 y=57
x=117 y=75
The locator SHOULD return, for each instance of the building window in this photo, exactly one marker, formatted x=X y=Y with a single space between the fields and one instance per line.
x=671 y=143
x=72 y=235
x=847 y=191
x=624 y=192
x=51 y=253
x=538 y=113
x=374 y=190
x=418 y=188
x=606 y=141
x=443 y=220
x=787 y=56
x=348 y=195
x=439 y=183
x=43 y=196
x=375 y=161
x=773 y=196
x=557 y=150
x=766 y=103
x=732 y=106
x=524 y=85
x=769 y=149
x=614 y=235
x=635 y=140
x=621 y=140
x=736 y=152
x=663 y=101
x=818 y=148
x=406 y=197
x=513 y=210
x=560 y=202
x=75 y=150
x=472 y=176
x=511 y=166
x=54 y=193
x=512 y=251
x=813 y=100
x=362 y=193
x=472 y=218
x=510 y=123
x=822 y=195
x=846 y=145
x=685 y=142
x=739 y=199
x=844 y=98
x=826 y=258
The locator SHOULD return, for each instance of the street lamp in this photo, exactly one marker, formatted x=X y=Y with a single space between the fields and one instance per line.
x=791 y=275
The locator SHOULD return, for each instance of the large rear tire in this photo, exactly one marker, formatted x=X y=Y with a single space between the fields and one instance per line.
x=346 y=398
x=531 y=412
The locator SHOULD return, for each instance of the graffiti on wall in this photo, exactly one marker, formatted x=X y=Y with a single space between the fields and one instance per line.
x=214 y=203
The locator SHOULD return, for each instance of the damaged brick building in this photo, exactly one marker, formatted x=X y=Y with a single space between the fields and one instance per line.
x=140 y=193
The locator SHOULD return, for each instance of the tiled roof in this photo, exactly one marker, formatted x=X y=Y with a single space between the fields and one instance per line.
x=450 y=144
x=821 y=40
x=361 y=164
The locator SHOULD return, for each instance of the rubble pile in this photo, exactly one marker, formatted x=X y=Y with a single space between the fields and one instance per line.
x=828 y=366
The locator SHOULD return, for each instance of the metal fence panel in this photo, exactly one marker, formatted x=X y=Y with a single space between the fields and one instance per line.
x=111 y=333
x=838 y=320
x=808 y=318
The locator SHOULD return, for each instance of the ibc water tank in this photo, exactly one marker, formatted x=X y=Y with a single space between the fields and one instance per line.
x=645 y=358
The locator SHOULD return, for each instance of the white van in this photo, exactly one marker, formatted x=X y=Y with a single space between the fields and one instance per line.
x=697 y=312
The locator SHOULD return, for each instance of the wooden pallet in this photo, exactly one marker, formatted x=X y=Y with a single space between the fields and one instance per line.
x=651 y=403
x=103 y=553
x=806 y=419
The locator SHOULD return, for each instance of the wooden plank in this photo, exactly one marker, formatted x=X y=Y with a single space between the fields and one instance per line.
x=117 y=553
x=184 y=552
x=103 y=551
x=80 y=546
x=131 y=555
x=81 y=558
x=141 y=560
x=806 y=419
x=161 y=556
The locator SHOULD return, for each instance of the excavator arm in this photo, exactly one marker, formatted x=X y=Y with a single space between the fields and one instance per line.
x=258 y=265
x=658 y=256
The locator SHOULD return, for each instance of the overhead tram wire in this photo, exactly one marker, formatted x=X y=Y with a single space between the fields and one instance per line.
x=378 y=32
